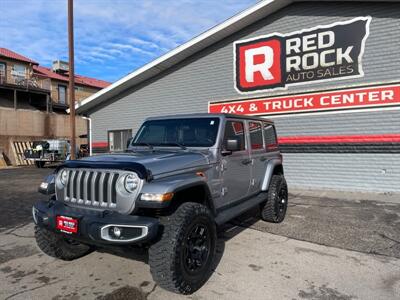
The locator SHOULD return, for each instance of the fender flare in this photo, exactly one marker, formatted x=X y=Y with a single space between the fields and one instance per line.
x=200 y=183
x=271 y=165
x=180 y=183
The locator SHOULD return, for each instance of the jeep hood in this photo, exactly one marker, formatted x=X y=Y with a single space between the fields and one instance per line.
x=158 y=162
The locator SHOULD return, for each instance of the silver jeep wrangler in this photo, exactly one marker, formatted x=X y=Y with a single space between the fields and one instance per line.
x=180 y=178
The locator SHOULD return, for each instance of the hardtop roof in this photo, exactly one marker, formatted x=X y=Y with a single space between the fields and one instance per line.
x=208 y=115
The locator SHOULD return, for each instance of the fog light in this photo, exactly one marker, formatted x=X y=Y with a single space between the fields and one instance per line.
x=123 y=233
x=115 y=231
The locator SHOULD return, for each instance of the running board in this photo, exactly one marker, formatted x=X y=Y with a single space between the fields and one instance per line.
x=244 y=205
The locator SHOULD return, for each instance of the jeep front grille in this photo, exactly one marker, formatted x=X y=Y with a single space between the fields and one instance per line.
x=92 y=188
x=97 y=188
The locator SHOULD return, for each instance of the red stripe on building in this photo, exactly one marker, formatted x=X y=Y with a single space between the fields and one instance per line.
x=337 y=139
x=334 y=139
x=99 y=145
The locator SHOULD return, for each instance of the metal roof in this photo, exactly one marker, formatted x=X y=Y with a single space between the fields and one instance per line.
x=79 y=79
x=13 y=55
x=48 y=73
x=200 y=42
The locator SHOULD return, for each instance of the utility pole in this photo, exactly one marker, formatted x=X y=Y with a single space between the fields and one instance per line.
x=71 y=77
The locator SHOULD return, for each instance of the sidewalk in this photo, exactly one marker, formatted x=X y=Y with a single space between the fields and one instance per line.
x=250 y=265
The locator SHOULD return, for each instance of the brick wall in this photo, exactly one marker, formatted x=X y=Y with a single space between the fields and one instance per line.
x=27 y=125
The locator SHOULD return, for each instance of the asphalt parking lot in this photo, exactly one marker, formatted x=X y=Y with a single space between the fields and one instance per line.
x=326 y=248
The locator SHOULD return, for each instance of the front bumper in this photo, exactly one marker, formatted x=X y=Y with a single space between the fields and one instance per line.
x=94 y=226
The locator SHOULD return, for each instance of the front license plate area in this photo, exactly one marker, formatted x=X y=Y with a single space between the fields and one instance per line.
x=67 y=224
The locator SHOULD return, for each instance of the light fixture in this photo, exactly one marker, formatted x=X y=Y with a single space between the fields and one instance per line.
x=131 y=183
x=63 y=177
x=115 y=231
x=156 y=197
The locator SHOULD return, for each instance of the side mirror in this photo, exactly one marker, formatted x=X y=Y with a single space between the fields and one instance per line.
x=128 y=142
x=231 y=145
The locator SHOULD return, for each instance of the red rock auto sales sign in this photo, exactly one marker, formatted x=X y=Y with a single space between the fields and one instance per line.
x=366 y=97
x=321 y=53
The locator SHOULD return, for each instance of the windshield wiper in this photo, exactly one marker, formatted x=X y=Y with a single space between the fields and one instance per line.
x=173 y=144
x=143 y=144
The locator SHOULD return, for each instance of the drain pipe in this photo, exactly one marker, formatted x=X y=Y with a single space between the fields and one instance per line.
x=90 y=134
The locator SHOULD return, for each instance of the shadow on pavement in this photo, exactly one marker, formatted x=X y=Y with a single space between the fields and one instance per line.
x=224 y=233
x=365 y=226
x=359 y=225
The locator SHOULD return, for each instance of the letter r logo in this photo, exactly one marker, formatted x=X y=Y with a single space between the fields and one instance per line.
x=264 y=67
x=258 y=64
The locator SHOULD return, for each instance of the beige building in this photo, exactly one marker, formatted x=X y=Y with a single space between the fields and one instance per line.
x=34 y=100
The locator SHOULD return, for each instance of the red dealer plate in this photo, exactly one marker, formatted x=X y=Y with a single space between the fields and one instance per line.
x=67 y=224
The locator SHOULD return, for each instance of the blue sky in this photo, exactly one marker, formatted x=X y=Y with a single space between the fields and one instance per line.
x=112 y=37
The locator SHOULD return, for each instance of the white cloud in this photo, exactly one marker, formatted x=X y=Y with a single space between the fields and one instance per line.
x=141 y=42
x=118 y=48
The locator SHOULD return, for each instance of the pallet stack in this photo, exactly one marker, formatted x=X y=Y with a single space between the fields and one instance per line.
x=3 y=163
x=18 y=149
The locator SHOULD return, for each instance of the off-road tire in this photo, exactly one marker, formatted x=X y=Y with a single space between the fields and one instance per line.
x=274 y=210
x=167 y=255
x=57 y=246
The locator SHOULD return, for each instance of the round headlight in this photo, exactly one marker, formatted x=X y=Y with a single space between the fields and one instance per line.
x=63 y=177
x=131 y=183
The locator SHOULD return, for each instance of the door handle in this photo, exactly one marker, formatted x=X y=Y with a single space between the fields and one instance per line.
x=246 y=161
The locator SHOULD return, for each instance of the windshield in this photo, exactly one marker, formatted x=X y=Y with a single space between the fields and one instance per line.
x=200 y=132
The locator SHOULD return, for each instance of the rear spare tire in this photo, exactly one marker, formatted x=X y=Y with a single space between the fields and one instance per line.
x=274 y=210
x=182 y=260
x=58 y=246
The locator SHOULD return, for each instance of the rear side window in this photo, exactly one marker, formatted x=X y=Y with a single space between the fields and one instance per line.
x=270 y=137
x=256 y=137
x=235 y=130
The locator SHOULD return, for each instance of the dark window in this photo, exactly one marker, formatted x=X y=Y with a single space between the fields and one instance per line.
x=62 y=94
x=256 y=138
x=2 y=68
x=270 y=136
x=117 y=139
x=195 y=132
x=2 y=72
x=235 y=130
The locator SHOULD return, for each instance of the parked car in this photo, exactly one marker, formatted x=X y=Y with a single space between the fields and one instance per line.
x=181 y=177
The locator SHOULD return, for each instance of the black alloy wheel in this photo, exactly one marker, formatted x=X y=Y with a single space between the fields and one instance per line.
x=281 y=204
x=196 y=249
